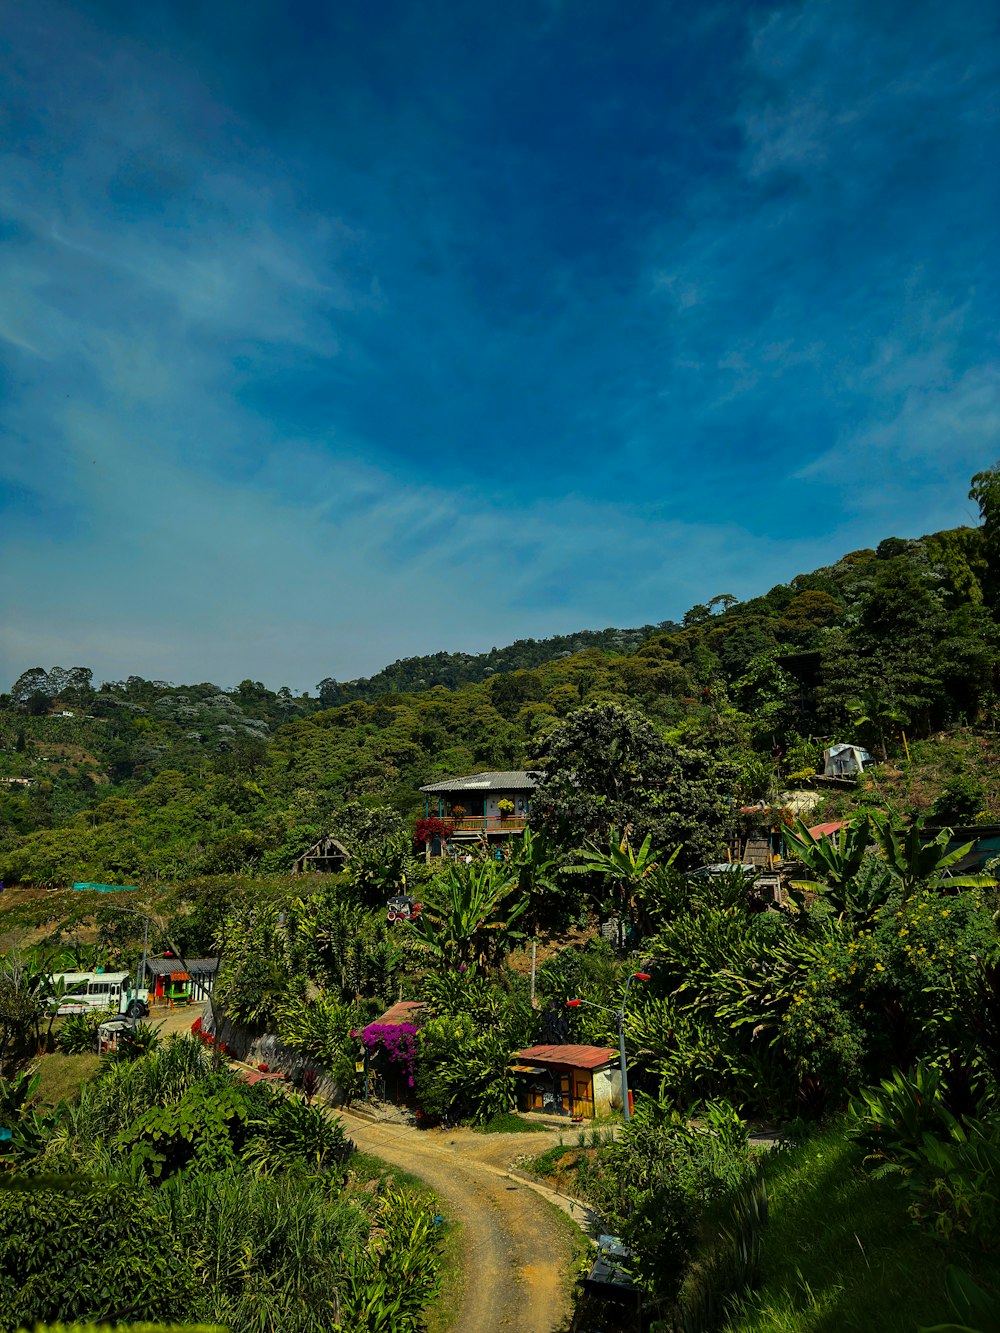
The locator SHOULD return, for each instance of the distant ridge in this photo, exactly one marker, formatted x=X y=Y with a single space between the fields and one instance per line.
x=453 y=669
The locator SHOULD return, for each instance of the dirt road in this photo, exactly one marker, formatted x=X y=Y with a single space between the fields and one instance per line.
x=517 y=1254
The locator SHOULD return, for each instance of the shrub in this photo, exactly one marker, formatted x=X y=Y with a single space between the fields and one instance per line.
x=960 y=801
x=654 y=1185
x=385 y=1288
x=951 y=1165
x=78 y=1034
x=293 y=1131
x=133 y=1045
x=106 y=1251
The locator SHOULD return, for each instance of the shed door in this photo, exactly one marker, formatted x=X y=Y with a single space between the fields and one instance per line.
x=583 y=1093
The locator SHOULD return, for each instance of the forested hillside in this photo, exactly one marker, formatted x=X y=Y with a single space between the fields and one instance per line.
x=454 y=669
x=143 y=779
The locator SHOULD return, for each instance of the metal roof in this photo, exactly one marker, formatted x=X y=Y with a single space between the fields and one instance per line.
x=827 y=830
x=516 y=780
x=166 y=967
x=403 y=1011
x=568 y=1057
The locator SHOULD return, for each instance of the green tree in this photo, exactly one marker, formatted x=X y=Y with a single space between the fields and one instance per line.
x=608 y=767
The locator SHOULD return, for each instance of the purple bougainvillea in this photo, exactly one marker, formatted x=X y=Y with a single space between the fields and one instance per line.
x=398 y=1040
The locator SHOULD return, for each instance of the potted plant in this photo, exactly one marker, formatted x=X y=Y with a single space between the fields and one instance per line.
x=458 y=812
x=505 y=807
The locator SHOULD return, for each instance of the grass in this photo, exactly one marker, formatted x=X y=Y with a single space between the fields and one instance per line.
x=840 y=1254
x=441 y=1313
x=60 y=1077
x=581 y=1253
x=509 y=1122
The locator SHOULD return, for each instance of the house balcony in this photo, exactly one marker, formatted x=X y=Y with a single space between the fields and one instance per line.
x=495 y=824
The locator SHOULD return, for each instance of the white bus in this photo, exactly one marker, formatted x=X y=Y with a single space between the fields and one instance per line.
x=86 y=991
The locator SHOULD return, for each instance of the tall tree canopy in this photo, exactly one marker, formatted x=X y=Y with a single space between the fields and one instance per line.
x=609 y=767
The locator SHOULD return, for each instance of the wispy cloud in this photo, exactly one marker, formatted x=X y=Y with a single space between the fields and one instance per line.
x=336 y=348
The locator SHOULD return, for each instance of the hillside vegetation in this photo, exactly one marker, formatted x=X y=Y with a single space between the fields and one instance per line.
x=148 y=780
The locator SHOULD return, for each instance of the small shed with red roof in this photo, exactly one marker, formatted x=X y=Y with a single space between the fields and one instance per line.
x=569 y=1080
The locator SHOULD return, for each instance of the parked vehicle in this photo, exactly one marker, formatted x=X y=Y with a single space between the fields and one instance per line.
x=402 y=908
x=82 y=992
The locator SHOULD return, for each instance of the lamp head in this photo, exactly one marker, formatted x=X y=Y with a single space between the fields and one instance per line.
x=641 y=976
x=573 y=1004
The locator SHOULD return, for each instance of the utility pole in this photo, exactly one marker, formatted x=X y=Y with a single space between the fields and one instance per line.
x=619 y=1013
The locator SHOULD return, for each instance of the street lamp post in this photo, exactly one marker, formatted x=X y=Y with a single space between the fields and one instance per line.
x=619 y=1013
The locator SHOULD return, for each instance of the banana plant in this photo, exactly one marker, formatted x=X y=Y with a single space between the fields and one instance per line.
x=468 y=914
x=834 y=861
x=626 y=865
x=919 y=863
x=535 y=864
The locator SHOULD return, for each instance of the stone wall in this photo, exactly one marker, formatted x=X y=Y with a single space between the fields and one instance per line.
x=255 y=1048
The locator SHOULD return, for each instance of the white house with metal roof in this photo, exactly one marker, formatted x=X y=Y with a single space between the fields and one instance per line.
x=490 y=805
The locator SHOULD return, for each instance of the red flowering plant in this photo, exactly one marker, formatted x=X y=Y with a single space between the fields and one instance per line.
x=428 y=829
x=398 y=1041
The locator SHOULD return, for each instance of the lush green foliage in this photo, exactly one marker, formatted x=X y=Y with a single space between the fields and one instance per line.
x=839 y=1251
x=110 y=1234
x=463 y=1063
x=470 y=914
x=608 y=767
x=197 y=1198
x=78 y=1033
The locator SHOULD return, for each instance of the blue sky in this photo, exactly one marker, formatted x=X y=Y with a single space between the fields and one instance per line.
x=334 y=333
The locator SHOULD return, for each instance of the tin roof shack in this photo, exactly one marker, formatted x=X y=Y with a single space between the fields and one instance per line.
x=482 y=805
x=845 y=761
x=170 y=982
x=569 y=1080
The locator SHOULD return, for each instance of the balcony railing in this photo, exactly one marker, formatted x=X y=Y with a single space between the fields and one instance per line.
x=484 y=823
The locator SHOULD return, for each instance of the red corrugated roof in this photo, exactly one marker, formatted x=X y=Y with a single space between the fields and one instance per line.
x=568 y=1057
x=827 y=830
x=403 y=1011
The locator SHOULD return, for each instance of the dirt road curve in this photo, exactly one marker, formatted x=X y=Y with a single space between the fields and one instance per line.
x=516 y=1253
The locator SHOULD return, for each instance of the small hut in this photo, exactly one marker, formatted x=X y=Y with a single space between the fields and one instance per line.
x=389 y=1051
x=170 y=982
x=569 y=1080
x=845 y=761
x=327 y=856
